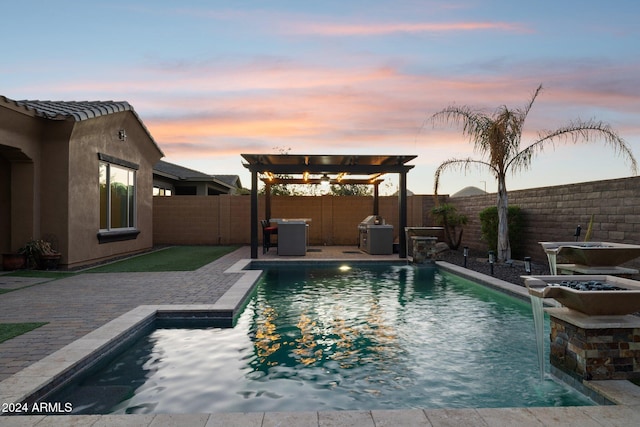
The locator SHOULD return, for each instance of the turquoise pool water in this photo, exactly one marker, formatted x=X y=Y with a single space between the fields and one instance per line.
x=328 y=338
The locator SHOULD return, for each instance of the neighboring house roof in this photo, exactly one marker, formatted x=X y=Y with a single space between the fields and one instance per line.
x=73 y=110
x=409 y=193
x=233 y=180
x=468 y=191
x=180 y=173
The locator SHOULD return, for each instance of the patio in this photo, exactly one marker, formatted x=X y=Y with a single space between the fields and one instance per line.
x=77 y=305
x=330 y=253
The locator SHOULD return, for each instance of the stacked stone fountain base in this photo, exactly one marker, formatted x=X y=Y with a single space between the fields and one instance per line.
x=594 y=336
x=595 y=347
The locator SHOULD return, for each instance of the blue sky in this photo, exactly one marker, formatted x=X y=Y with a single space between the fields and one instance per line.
x=213 y=79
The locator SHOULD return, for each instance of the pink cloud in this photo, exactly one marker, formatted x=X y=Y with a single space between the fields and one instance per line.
x=333 y=29
x=217 y=108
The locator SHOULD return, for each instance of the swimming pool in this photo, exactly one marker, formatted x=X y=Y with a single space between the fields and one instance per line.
x=374 y=336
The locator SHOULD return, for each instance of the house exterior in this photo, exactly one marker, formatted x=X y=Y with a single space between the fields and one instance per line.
x=79 y=174
x=171 y=179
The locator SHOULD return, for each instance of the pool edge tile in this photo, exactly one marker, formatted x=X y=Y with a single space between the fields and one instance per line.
x=236 y=419
x=621 y=392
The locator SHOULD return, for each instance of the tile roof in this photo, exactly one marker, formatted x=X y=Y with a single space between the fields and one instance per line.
x=76 y=110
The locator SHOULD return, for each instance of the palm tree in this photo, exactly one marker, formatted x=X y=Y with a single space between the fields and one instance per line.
x=497 y=139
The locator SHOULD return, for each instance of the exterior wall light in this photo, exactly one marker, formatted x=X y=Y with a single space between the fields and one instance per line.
x=122 y=135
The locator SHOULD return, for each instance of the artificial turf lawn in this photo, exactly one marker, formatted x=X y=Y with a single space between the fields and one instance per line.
x=175 y=258
x=11 y=330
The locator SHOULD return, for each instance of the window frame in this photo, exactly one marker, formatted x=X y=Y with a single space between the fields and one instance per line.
x=130 y=231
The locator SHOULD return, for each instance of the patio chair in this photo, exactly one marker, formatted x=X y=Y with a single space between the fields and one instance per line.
x=267 y=231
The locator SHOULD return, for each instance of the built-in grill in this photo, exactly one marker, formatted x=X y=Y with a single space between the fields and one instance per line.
x=375 y=236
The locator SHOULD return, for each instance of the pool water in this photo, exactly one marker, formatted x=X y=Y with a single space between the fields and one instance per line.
x=324 y=338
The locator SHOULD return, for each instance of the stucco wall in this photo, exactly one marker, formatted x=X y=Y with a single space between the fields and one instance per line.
x=55 y=172
x=20 y=147
x=5 y=205
x=100 y=135
x=49 y=184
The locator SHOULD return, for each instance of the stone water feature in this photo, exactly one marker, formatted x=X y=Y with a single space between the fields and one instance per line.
x=593 y=336
x=421 y=243
x=590 y=257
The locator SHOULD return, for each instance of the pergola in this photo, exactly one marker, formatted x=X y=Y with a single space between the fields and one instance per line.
x=335 y=169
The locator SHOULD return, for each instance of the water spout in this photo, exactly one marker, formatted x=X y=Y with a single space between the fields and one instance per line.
x=538 y=321
x=552 y=256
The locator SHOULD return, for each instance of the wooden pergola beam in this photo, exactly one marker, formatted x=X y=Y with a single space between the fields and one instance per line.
x=317 y=181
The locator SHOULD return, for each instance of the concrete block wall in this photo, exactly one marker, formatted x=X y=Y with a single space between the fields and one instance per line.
x=186 y=220
x=297 y=207
x=553 y=213
x=341 y=216
x=224 y=219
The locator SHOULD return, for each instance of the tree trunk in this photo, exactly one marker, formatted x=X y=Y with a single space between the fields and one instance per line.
x=456 y=244
x=504 y=248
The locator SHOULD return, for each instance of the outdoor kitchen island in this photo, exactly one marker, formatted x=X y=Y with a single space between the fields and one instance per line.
x=293 y=235
x=375 y=237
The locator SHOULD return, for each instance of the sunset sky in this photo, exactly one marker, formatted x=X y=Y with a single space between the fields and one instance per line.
x=213 y=79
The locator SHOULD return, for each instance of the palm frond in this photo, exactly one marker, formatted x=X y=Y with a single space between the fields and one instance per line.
x=460 y=164
x=574 y=132
x=474 y=123
x=533 y=98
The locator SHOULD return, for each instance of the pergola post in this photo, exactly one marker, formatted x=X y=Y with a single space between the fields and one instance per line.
x=402 y=215
x=267 y=200
x=254 y=215
x=376 y=195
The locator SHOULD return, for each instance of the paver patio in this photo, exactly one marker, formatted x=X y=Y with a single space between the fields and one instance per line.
x=76 y=305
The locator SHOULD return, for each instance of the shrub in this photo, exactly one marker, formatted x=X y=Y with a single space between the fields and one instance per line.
x=489 y=229
x=447 y=216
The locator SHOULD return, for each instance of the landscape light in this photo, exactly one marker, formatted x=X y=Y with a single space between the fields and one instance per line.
x=492 y=259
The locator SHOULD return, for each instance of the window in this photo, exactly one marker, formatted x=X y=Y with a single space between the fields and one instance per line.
x=160 y=191
x=117 y=200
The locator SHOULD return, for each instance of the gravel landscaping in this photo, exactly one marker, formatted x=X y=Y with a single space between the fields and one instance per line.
x=479 y=262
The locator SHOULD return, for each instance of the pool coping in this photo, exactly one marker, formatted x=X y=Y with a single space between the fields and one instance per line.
x=38 y=379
